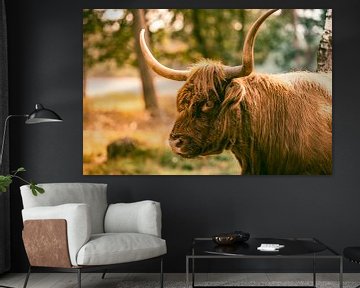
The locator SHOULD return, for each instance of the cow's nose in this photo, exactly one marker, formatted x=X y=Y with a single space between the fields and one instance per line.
x=177 y=140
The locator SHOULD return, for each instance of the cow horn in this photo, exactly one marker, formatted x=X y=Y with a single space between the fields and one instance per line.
x=248 y=50
x=179 y=75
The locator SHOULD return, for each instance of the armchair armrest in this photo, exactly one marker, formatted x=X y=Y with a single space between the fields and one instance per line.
x=138 y=217
x=77 y=219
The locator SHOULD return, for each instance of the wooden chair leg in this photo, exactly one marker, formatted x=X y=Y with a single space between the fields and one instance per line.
x=79 y=277
x=27 y=277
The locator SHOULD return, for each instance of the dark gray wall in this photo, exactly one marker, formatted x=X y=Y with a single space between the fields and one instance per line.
x=45 y=50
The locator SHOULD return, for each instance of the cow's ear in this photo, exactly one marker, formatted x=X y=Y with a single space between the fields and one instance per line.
x=221 y=89
x=235 y=92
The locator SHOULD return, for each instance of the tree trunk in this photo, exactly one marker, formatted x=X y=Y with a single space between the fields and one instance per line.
x=197 y=33
x=324 y=59
x=149 y=94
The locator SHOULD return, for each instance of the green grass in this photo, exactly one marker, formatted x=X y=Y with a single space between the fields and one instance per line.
x=165 y=162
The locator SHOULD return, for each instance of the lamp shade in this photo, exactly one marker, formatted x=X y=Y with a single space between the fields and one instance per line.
x=42 y=115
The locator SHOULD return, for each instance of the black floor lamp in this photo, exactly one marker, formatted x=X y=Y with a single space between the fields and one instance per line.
x=39 y=115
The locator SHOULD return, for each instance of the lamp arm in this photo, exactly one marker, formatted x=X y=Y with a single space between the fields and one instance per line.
x=4 y=134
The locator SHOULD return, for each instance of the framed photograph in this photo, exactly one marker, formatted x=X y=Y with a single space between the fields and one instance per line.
x=207 y=92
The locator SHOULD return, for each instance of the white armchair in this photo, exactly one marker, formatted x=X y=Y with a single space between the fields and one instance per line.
x=72 y=228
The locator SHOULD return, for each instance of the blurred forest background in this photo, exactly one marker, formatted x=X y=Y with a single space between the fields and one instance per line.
x=128 y=111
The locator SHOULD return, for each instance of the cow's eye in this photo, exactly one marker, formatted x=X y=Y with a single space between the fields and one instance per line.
x=208 y=105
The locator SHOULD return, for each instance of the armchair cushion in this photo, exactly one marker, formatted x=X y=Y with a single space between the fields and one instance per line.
x=138 y=217
x=78 y=221
x=113 y=248
x=93 y=194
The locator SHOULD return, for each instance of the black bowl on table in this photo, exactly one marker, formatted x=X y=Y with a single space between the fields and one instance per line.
x=231 y=238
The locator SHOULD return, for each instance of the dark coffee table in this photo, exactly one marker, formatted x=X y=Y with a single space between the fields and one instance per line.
x=294 y=248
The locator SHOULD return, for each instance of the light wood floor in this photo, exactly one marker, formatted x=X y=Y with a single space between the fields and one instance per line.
x=68 y=280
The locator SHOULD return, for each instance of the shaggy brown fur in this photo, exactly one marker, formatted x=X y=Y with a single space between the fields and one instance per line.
x=274 y=124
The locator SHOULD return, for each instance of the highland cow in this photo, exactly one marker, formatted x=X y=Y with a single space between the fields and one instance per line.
x=272 y=123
